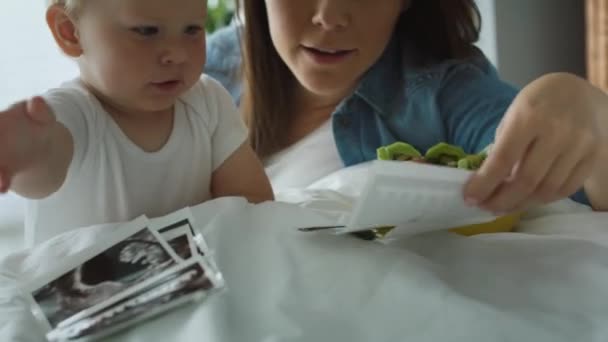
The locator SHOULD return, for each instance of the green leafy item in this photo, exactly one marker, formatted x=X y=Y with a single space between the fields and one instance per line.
x=470 y=162
x=444 y=154
x=398 y=151
x=441 y=154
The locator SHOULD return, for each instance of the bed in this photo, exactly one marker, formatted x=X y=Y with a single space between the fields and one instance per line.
x=546 y=282
x=11 y=224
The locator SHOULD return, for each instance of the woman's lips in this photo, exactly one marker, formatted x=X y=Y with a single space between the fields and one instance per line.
x=328 y=56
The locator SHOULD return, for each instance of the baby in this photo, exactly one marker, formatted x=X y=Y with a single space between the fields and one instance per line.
x=140 y=131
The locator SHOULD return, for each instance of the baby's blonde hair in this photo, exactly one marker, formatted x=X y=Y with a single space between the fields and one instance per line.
x=70 y=5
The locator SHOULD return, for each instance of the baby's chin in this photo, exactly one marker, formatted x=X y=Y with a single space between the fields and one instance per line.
x=157 y=108
x=158 y=103
x=147 y=107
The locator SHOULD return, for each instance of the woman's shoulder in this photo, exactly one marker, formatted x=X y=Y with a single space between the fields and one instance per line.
x=224 y=40
x=475 y=67
x=224 y=58
x=398 y=79
x=403 y=68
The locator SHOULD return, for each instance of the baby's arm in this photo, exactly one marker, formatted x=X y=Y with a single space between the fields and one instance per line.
x=35 y=150
x=242 y=174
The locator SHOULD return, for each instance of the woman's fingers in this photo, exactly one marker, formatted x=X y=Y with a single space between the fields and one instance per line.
x=577 y=177
x=527 y=175
x=509 y=149
x=553 y=185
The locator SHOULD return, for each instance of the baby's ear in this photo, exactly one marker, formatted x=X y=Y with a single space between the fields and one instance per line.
x=64 y=30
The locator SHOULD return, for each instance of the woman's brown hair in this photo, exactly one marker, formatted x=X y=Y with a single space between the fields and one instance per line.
x=438 y=29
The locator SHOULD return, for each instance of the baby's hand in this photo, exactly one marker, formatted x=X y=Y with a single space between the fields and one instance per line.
x=24 y=134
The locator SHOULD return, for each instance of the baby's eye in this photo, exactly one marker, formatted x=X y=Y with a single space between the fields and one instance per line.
x=145 y=30
x=193 y=30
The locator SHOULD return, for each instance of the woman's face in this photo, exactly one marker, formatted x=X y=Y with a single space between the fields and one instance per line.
x=329 y=44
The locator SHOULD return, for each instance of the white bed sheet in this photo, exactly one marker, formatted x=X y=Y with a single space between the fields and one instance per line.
x=548 y=283
x=11 y=224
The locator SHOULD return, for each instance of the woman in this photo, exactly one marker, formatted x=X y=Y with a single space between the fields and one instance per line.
x=326 y=82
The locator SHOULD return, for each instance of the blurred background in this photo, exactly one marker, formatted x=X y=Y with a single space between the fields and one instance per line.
x=523 y=38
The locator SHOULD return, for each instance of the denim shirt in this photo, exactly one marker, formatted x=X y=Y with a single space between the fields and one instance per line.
x=460 y=102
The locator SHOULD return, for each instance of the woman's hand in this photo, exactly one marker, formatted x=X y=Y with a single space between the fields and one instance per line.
x=546 y=146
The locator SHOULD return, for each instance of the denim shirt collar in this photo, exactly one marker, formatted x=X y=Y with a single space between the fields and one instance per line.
x=382 y=85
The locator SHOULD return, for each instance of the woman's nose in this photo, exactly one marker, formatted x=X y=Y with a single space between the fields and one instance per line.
x=332 y=15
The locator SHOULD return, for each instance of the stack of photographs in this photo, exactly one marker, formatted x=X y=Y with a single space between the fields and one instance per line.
x=146 y=270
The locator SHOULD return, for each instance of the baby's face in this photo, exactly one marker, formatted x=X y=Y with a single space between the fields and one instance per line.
x=140 y=55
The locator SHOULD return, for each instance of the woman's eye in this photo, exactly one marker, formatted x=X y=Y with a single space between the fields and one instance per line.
x=193 y=29
x=145 y=30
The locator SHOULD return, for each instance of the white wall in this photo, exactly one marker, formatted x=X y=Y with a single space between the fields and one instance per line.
x=29 y=61
x=487 y=40
x=29 y=64
x=524 y=38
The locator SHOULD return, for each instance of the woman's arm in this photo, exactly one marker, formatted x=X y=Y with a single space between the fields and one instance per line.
x=224 y=59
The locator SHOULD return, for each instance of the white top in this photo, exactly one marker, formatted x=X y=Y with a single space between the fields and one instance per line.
x=308 y=160
x=111 y=179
